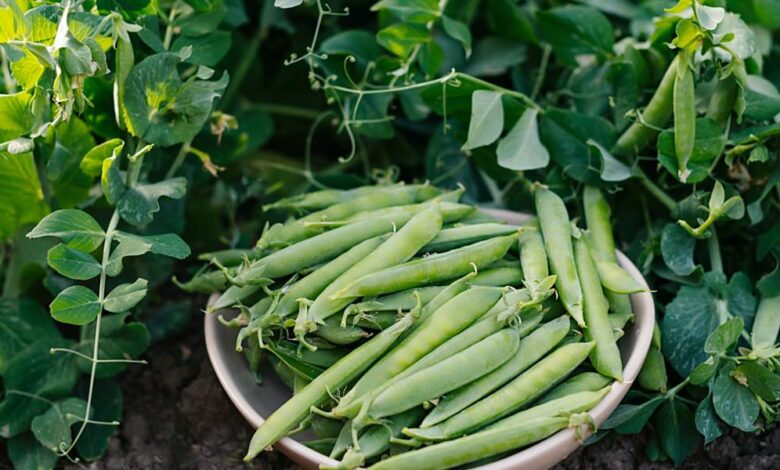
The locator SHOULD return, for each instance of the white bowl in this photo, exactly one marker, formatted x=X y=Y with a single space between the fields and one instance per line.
x=255 y=401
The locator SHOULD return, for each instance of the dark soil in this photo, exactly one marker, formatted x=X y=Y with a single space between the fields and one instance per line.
x=177 y=416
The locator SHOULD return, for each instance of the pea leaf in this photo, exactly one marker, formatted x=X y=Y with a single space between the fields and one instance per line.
x=52 y=428
x=487 y=119
x=207 y=49
x=163 y=110
x=458 y=31
x=15 y=117
x=630 y=419
x=612 y=169
x=420 y=11
x=287 y=3
x=125 y=296
x=762 y=381
x=73 y=264
x=705 y=371
x=762 y=99
x=358 y=43
x=22 y=322
x=129 y=245
x=740 y=299
x=76 y=305
x=139 y=203
x=26 y=453
x=677 y=247
x=111 y=180
x=689 y=320
x=21 y=196
x=734 y=403
x=575 y=30
x=708 y=145
x=92 y=162
x=724 y=338
x=493 y=56
x=76 y=228
x=401 y=38
x=106 y=407
x=118 y=340
x=676 y=430
x=69 y=183
x=707 y=421
x=521 y=149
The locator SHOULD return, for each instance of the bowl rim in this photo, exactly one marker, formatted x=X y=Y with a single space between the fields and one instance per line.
x=542 y=455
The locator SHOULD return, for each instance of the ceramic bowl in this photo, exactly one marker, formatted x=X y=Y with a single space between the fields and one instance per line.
x=255 y=401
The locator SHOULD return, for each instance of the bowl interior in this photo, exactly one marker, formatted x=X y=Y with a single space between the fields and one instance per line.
x=255 y=401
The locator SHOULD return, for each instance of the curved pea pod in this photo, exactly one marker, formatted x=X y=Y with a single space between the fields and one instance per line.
x=450 y=212
x=334 y=333
x=429 y=270
x=301 y=229
x=398 y=248
x=498 y=276
x=583 y=382
x=653 y=373
x=232 y=296
x=575 y=402
x=605 y=356
x=445 y=322
x=556 y=232
x=531 y=349
x=533 y=256
x=766 y=324
x=618 y=321
x=297 y=408
x=482 y=444
x=312 y=285
x=455 y=237
x=617 y=279
x=509 y=398
x=453 y=372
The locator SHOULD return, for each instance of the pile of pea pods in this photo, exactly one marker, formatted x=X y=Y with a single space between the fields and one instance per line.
x=416 y=331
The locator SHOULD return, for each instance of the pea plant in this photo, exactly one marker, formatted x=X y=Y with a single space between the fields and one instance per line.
x=99 y=111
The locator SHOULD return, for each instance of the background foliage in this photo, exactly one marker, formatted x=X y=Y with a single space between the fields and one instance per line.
x=133 y=125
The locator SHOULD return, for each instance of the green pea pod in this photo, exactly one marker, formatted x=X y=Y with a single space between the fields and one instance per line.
x=334 y=333
x=449 y=374
x=206 y=282
x=617 y=279
x=618 y=320
x=583 y=382
x=522 y=390
x=575 y=402
x=653 y=373
x=327 y=197
x=605 y=356
x=684 y=116
x=233 y=256
x=498 y=276
x=766 y=324
x=232 y=296
x=312 y=285
x=447 y=321
x=556 y=231
x=531 y=349
x=450 y=212
x=294 y=410
x=402 y=300
x=375 y=320
x=455 y=237
x=479 y=445
x=428 y=270
x=533 y=256
x=322 y=358
x=343 y=440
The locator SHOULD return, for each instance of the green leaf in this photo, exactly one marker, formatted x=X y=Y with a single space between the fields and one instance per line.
x=761 y=98
x=575 y=30
x=707 y=421
x=125 y=296
x=521 y=149
x=76 y=305
x=689 y=320
x=493 y=56
x=725 y=337
x=612 y=169
x=743 y=43
x=630 y=419
x=419 y=11
x=21 y=196
x=358 y=43
x=621 y=8
x=106 y=407
x=163 y=110
x=92 y=163
x=676 y=430
x=52 y=428
x=734 y=403
x=702 y=373
x=402 y=38
x=73 y=264
x=287 y=3
x=36 y=371
x=129 y=245
x=70 y=185
x=22 y=322
x=458 y=31
x=118 y=340
x=139 y=203
x=511 y=21
x=16 y=119
x=75 y=227
x=762 y=381
x=207 y=49
x=677 y=248
x=26 y=453
x=740 y=299
x=487 y=119
x=111 y=180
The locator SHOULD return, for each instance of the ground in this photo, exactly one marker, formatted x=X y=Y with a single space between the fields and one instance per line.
x=177 y=416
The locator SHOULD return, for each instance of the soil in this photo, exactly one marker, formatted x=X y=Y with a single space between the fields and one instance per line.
x=177 y=416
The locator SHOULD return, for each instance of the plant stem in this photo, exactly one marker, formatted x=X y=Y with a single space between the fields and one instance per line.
x=169 y=28
x=289 y=111
x=177 y=162
x=542 y=72
x=249 y=56
x=8 y=80
x=713 y=250
x=653 y=189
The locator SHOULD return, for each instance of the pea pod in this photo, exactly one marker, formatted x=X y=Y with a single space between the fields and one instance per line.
x=481 y=444
x=397 y=249
x=583 y=382
x=533 y=257
x=429 y=270
x=233 y=295
x=512 y=396
x=531 y=349
x=449 y=374
x=448 y=320
x=498 y=276
x=324 y=198
x=455 y=237
x=554 y=222
x=341 y=335
x=402 y=300
x=766 y=324
x=684 y=116
x=450 y=212
x=653 y=373
x=605 y=356
x=294 y=410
